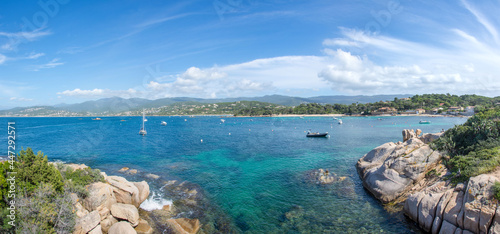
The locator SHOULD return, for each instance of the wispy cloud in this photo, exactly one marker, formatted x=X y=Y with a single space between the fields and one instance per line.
x=53 y=63
x=16 y=38
x=21 y=99
x=3 y=58
x=162 y=20
x=481 y=18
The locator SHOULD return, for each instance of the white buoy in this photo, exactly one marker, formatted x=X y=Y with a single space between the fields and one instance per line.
x=201 y=140
x=229 y=134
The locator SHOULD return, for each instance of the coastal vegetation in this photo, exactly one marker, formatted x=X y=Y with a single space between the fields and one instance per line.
x=43 y=194
x=273 y=105
x=472 y=148
x=430 y=103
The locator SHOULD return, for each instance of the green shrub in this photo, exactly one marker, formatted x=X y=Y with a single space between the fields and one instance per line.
x=473 y=147
x=45 y=210
x=76 y=180
x=496 y=190
x=32 y=170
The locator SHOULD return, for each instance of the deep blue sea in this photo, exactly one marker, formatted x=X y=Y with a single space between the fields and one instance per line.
x=251 y=169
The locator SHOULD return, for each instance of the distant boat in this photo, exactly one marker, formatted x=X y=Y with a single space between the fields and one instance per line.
x=340 y=121
x=185 y=120
x=222 y=120
x=424 y=122
x=97 y=119
x=316 y=134
x=163 y=123
x=334 y=118
x=143 y=129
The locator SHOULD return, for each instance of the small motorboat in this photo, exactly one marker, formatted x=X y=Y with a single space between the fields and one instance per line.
x=222 y=120
x=163 y=123
x=316 y=134
x=340 y=121
x=97 y=119
x=424 y=122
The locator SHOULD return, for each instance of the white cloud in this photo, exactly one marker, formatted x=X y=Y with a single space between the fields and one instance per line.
x=2 y=58
x=20 y=99
x=35 y=55
x=100 y=93
x=358 y=75
x=53 y=63
x=16 y=38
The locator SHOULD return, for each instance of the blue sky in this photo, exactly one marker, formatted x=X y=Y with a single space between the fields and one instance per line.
x=66 y=51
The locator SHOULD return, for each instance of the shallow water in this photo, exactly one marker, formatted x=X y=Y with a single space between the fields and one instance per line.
x=251 y=169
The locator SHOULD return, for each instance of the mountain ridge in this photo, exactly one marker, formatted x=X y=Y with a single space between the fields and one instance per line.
x=113 y=105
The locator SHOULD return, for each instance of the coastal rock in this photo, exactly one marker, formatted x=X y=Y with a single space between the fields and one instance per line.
x=418 y=132
x=80 y=210
x=121 y=228
x=100 y=194
x=495 y=226
x=427 y=210
x=143 y=188
x=96 y=230
x=321 y=176
x=103 y=212
x=108 y=222
x=390 y=169
x=124 y=169
x=76 y=166
x=125 y=191
x=408 y=134
x=430 y=137
x=132 y=171
x=184 y=225
x=447 y=228
x=143 y=227
x=125 y=212
x=152 y=176
x=87 y=222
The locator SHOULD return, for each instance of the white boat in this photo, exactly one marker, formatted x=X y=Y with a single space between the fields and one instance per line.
x=340 y=121
x=223 y=120
x=143 y=129
x=163 y=123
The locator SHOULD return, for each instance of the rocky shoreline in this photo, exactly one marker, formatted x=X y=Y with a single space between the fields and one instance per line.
x=114 y=206
x=411 y=174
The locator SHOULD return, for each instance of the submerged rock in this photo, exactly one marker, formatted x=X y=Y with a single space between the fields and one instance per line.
x=322 y=176
x=184 y=225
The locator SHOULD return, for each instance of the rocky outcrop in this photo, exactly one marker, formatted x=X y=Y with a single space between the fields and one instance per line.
x=122 y=228
x=126 y=212
x=100 y=195
x=111 y=207
x=410 y=172
x=184 y=225
x=445 y=209
x=87 y=222
x=390 y=170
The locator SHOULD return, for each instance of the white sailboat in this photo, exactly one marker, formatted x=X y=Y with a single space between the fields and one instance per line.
x=143 y=129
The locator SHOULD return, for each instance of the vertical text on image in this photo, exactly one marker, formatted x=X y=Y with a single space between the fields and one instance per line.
x=11 y=173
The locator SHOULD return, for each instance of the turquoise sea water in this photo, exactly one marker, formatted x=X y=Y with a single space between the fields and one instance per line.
x=250 y=169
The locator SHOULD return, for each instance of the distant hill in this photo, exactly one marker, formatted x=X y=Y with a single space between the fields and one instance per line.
x=115 y=105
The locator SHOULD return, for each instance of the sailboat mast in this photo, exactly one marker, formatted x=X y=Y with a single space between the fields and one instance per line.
x=143 y=115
